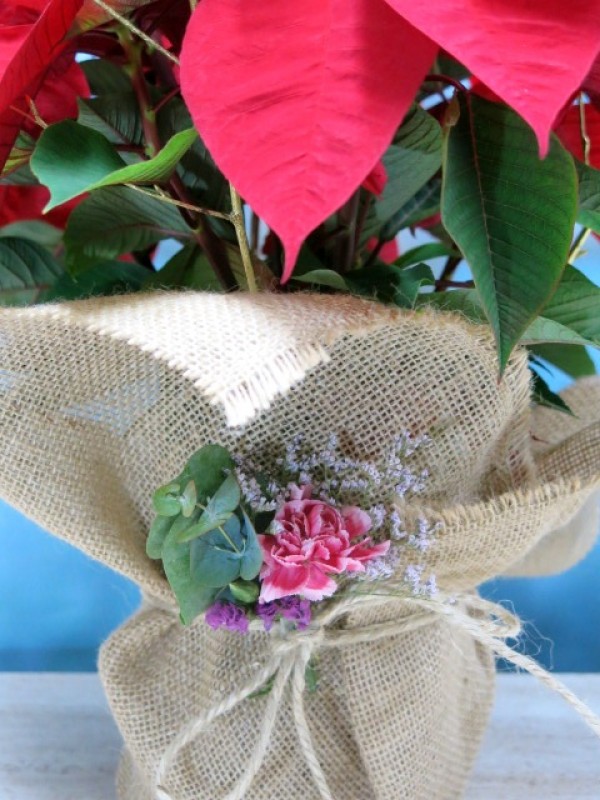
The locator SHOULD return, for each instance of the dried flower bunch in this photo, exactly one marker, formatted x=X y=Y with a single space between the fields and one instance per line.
x=240 y=545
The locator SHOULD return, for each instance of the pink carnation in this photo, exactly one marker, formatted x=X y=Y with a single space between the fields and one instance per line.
x=313 y=541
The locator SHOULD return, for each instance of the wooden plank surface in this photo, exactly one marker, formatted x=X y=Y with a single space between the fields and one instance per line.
x=58 y=742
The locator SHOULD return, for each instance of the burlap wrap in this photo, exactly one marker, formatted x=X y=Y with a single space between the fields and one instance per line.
x=103 y=400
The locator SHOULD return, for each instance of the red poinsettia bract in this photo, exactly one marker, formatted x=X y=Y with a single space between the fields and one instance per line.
x=298 y=99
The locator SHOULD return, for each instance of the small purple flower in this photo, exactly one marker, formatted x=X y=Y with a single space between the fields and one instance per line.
x=294 y=608
x=227 y=615
x=268 y=612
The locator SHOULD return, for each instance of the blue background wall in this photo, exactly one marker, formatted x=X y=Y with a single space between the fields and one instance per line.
x=57 y=606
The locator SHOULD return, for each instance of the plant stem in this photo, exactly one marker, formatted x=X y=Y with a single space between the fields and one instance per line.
x=237 y=218
x=579 y=244
x=204 y=235
x=128 y=25
x=347 y=216
x=435 y=78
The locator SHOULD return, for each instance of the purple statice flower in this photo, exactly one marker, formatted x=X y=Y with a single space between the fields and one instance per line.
x=293 y=608
x=227 y=615
x=268 y=612
x=296 y=609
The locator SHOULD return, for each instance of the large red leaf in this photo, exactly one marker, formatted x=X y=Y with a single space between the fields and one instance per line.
x=532 y=53
x=296 y=101
x=23 y=71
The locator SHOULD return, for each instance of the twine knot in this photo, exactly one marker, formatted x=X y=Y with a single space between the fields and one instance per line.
x=488 y=623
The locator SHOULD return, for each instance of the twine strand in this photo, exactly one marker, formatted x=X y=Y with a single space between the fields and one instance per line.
x=488 y=623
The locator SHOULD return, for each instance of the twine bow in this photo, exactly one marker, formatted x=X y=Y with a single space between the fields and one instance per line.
x=488 y=623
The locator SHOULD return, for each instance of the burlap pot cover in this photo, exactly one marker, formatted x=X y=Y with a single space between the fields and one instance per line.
x=103 y=400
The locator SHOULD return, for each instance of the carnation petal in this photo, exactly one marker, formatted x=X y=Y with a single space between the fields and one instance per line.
x=282 y=581
x=357 y=521
x=318 y=585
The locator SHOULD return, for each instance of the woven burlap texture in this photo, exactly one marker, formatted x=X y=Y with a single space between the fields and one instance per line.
x=103 y=400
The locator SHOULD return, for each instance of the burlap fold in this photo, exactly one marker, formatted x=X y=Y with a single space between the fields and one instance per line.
x=103 y=400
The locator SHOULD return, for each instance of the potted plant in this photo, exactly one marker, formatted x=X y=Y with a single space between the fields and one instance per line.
x=308 y=477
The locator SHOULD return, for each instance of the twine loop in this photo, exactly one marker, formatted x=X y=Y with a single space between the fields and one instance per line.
x=488 y=623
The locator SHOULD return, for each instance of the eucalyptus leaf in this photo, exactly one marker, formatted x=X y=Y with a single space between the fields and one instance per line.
x=497 y=197
x=166 y=500
x=208 y=467
x=218 y=510
x=216 y=558
x=157 y=535
x=189 y=498
x=193 y=598
x=253 y=558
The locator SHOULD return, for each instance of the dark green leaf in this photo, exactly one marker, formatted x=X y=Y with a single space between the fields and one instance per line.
x=425 y=203
x=69 y=159
x=26 y=270
x=35 y=231
x=323 y=277
x=115 y=221
x=413 y=157
x=157 y=535
x=115 y=116
x=572 y=359
x=218 y=509
x=589 y=196
x=105 y=77
x=511 y=214
x=20 y=154
x=189 y=268
x=109 y=278
x=576 y=305
x=390 y=284
x=544 y=396
x=424 y=252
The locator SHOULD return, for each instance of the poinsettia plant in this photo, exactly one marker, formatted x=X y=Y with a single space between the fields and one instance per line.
x=285 y=146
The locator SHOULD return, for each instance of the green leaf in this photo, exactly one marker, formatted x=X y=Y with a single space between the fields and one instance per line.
x=511 y=214
x=189 y=269
x=69 y=159
x=413 y=157
x=189 y=498
x=208 y=467
x=35 y=231
x=154 y=170
x=166 y=500
x=572 y=359
x=391 y=284
x=543 y=395
x=157 y=535
x=26 y=270
x=108 y=278
x=118 y=220
x=425 y=203
x=245 y=591
x=424 y=252
x=218 y=510
x=193 y=599
x=253 y=558
x=589 y=196
x=20 y=154
x=116 y=116
x=105 y=77
x=323 y=277
x=576 y=305
x=214 y=562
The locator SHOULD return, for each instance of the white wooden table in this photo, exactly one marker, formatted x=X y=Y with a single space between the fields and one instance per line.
x=58 y=741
